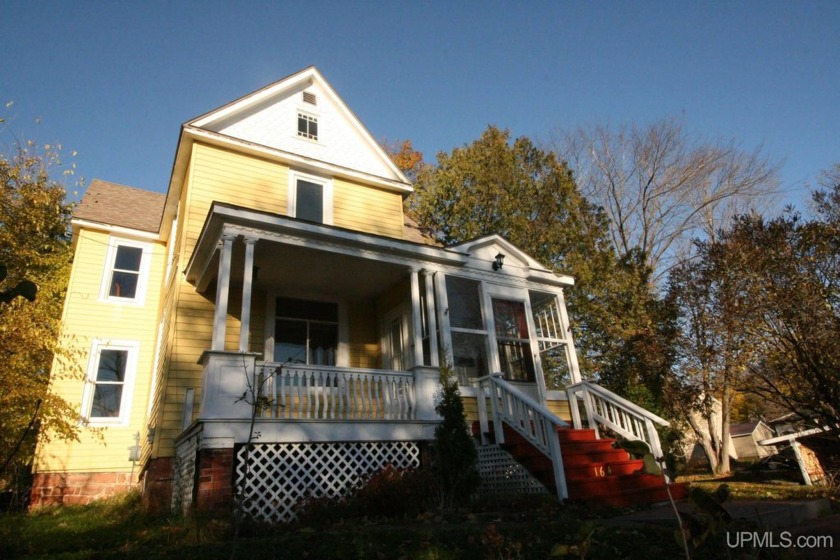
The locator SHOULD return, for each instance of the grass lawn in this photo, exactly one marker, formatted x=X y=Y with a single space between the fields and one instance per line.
x=534 y=528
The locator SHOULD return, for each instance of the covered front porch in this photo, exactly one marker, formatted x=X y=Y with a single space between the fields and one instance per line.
x=327 y=346
x=315 y=324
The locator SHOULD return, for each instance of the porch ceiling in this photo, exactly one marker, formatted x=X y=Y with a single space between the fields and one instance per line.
x=301 y=270
x=305 y=257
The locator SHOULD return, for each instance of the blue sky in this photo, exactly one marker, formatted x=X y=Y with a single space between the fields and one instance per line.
x=115 y=80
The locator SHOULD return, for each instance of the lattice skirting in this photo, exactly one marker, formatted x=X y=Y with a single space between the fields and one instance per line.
x=184 y=474
x=502 y=474
x=283 y=474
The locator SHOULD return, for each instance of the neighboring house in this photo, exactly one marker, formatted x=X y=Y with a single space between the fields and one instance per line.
x=280 y=259
x=745 y=441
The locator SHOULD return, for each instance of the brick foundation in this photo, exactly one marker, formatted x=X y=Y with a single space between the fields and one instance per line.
x=215 y=480
x=157 y=486
x=77 y=488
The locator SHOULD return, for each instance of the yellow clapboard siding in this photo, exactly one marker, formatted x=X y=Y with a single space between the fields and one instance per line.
x=366 y=209
x=86 y=318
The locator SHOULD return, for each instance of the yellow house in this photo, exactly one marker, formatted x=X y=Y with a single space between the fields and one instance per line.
x=277 y=279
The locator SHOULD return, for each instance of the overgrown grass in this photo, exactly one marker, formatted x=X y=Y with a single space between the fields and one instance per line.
x=525 y=529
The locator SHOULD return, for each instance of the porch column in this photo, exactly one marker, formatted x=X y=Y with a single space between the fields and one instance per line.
x=431 y=318
x=247 y=285
x=416 y=319
x=222 y=292
x=443 y=316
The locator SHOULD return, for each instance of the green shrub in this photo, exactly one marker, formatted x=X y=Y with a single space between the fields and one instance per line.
x=455 y=454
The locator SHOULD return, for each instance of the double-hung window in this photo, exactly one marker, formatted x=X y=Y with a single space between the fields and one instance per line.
x=310 y=198
x=109 y=383
x=126 y=271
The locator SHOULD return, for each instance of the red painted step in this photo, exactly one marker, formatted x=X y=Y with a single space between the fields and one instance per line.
x=596 y=471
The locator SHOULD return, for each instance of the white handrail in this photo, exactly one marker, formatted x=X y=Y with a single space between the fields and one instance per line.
x=531 y=420
x=302 y=392
x=618 y=414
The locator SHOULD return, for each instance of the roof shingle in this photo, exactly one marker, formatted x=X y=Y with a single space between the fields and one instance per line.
x=118 y=205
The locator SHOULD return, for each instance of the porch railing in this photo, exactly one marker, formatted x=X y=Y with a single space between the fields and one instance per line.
x=531 y=420
x=301 y=392
x=616 y=413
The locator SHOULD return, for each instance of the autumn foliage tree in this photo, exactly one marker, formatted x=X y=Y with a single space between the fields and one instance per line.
x=760 y=315
x=34 y=246
x=515 y=189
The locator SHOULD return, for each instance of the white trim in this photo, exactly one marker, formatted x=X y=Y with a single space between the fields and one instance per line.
x=114 y=243
x=119 y=230
x=327 y=184
x=132 y=347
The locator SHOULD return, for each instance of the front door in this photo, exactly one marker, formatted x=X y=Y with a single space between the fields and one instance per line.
x=513 y=341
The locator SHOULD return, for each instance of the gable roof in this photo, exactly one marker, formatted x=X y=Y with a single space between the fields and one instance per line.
x=746 y=428
x=118 y=205
x=264 y=124
x=269 y=117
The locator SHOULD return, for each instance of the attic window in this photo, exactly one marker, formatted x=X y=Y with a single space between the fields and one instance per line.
x=307 y=126
x=309 y=97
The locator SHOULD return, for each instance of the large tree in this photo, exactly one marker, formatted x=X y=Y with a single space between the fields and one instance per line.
x=514 y=189
x=760 y=309
x=34 y=246
x=662 y=186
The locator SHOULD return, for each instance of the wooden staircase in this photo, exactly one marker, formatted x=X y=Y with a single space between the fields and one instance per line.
x=597 y=472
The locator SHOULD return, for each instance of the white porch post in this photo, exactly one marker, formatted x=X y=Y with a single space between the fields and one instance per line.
x=443 y=316
x=571 y=354
x=431 y=319
x=247 y=286
x=222 y=292
x=417 y=342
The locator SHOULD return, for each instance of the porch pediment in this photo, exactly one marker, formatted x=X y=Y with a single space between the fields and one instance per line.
x=483 y=250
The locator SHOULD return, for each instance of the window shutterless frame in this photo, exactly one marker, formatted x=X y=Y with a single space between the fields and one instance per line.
x=310 y=198
x=109 y=382
x=126 y=272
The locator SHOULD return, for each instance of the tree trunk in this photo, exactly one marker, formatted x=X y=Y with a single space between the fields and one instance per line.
x=705 y=441
x=725 y=413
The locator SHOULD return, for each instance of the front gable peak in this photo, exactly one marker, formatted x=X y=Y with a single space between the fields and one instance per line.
x=302 y=115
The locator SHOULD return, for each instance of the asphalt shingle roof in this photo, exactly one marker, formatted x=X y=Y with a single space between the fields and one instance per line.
x=118 y=205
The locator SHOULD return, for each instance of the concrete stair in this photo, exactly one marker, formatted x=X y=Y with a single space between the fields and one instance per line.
x=597 y=471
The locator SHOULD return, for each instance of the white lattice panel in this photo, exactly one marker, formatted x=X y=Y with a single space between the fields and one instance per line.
x=502 y=474
x=184 y=474
x=282 y=474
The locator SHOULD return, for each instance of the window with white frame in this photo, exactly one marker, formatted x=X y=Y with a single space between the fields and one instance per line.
x=467 y=327
x=126 y=271
x=110 y=382
x=307 y=126
x=306 y=332
x=310 y=198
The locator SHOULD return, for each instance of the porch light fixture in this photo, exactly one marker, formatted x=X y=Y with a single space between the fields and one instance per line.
x=500 y=260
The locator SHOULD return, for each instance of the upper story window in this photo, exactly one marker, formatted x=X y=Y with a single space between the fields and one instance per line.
x=307 y=126
x=126 y=271
x=310 y=198
x=109 y=383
